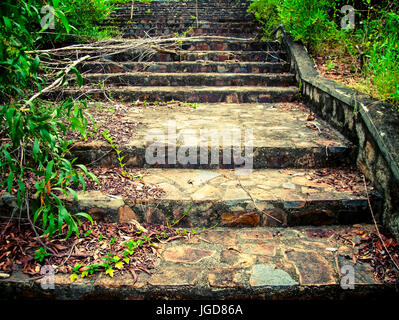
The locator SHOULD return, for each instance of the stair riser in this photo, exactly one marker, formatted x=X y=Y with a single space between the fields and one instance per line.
x=188 y=21
x=224 y=213
x=248 y=56
x=245 y=33
x=317 y=213
x=230 y=45
x=185 y=67
x=202 y=96
x=181 y=80
x=171 y=24
x=212 y=56
x=263 y=157
x=187 y=13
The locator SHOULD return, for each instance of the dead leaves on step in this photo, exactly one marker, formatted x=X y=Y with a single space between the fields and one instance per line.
x=18 y=247
x=368 y=248
x=113 y=182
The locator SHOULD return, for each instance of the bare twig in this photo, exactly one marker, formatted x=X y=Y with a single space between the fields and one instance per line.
x=56 y=83
x=253 y=201
x=34 y=228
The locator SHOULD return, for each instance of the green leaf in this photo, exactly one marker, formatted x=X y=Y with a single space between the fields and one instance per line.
x=73 y=193
x=36 y=149
x=73 y=277
x=10 y=181
x=49 y=170
x=85 y=215
x=64 y=20
x=76 y=267
x=78 y=76
x=84 y=169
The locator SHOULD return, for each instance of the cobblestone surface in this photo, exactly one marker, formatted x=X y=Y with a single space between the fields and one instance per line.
x=220 y=262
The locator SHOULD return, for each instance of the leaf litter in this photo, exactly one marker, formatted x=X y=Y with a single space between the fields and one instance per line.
x=18 y=247
x=368 y=248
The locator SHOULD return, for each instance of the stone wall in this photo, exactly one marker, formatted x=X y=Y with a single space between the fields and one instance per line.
x=369 y=123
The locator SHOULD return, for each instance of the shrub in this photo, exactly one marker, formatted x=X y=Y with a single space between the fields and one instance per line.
x=34 y=155
x=317 y=25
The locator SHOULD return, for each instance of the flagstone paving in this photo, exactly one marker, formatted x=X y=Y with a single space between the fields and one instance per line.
x=267 y=263
x=279 y=134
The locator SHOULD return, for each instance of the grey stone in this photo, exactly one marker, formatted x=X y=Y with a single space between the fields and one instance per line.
x=268 y=276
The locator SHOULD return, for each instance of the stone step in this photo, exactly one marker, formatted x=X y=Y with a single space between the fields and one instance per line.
x=229 y=198
x=187 y=13
x=185 y=66
x=215 y=43
x=171 y=7
x=228 y=56
x=157 y=5
x=281 y=137
x=184 y=56
x=191 y=94
x=155 y=24
x=183 y=21
x=184 y=17
x=168 y=32
x=190 y=79
x=263 y=263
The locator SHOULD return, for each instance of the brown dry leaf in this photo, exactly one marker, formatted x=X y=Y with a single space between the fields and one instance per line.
x=379 y=245
x=310 y=117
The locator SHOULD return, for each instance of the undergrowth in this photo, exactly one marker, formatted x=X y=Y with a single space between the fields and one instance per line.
x=373 y=41
x=34 y=155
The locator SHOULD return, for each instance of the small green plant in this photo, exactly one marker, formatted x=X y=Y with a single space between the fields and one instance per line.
x=41 y=254
x=111 y=140
x=87 y=233
x=330 y=65
x=112 y=240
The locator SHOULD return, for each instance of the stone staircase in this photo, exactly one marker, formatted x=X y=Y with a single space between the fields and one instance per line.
x=277 y=212
x=165 y=18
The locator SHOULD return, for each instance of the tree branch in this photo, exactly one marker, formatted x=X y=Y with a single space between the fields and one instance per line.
x=57 y=82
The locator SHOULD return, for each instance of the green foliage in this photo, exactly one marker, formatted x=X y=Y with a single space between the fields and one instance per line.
x=317 y=24
x=266 y=12
x=41 y=254
x=305 y=20
x=34 y=155
x=35 y=148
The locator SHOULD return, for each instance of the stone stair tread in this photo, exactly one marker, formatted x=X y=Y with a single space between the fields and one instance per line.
x=189 y=55
x=261 y=198
x=193 y=89
x=246 y=263
x=191 y=78
x=192 y=94
x=281 y=134
x=184 y=66
x=298 y=186
x=192 y=74
x=270 y=127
